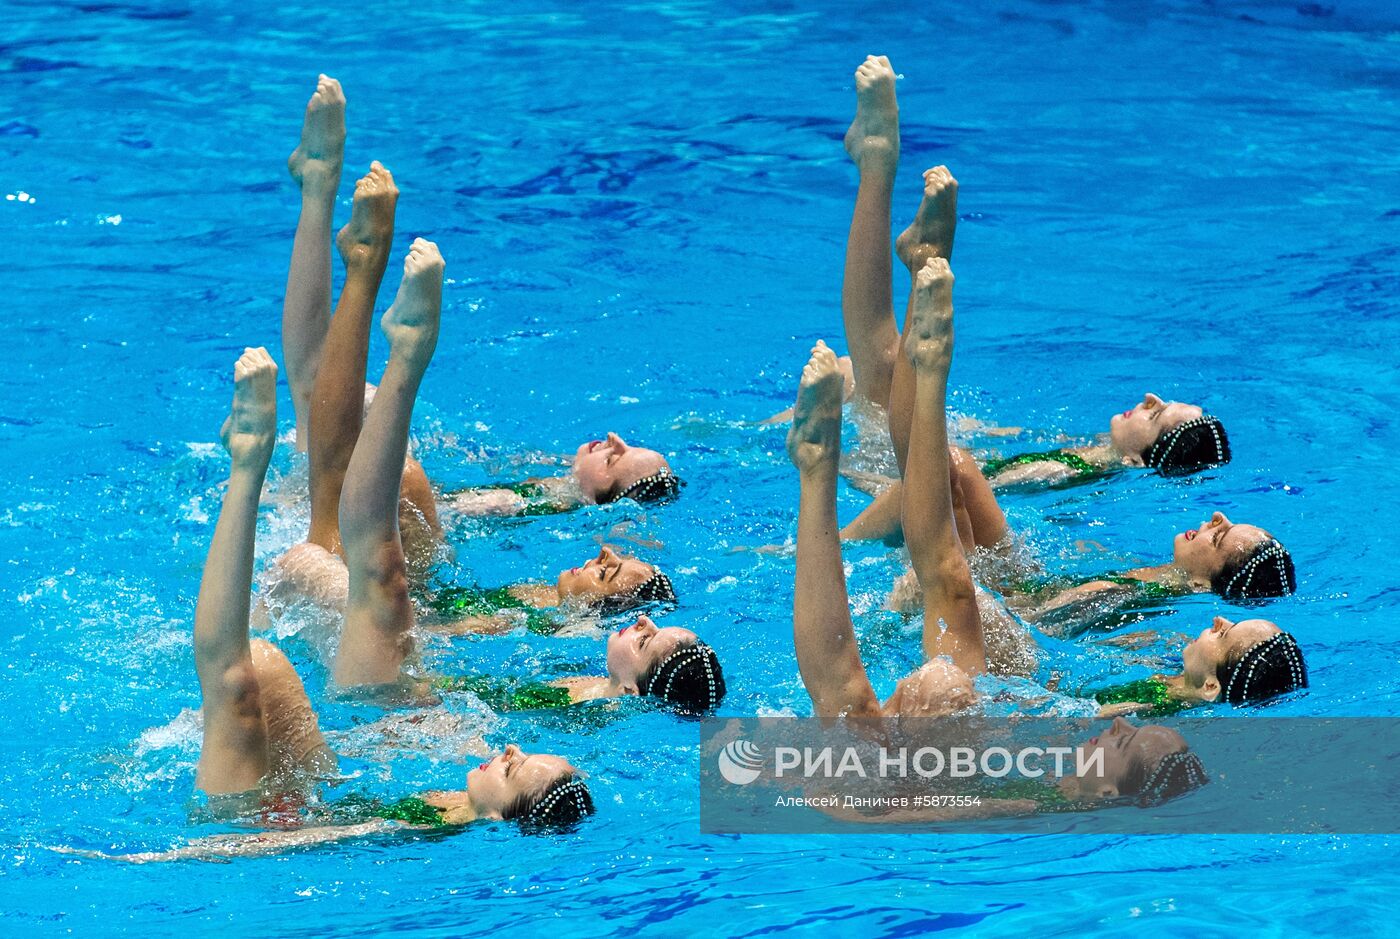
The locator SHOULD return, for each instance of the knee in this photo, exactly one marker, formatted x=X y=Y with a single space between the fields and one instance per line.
x=239 y=686
x=955 y=488
x=270 y=665
x=961 y=462
x=955 y=579
x=384 y=567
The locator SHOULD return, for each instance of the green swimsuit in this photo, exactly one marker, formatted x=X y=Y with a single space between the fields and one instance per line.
x=1097 y=612
x=459 y=602
x=1146 y=589
x=506 y=694
x=412 y=810
x=1046 y=798
x=538 y=500
x=1150 y=691
x=1082 y=468
x=1045 y=587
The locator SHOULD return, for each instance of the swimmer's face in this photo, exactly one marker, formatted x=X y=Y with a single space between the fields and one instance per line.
x=606 y=467
x=1128 y=754
x=1206 y=551
x=937 y=689
x=1135 y=430
x=1204 y=655
x=637 y=649
x=608 y=575
x=499 y=783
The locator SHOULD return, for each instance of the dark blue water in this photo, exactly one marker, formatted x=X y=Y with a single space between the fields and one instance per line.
x=643 y=210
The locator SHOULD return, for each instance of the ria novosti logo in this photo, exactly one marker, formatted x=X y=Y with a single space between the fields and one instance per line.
x=740 y=762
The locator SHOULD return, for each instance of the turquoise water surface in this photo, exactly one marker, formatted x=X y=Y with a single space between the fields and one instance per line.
x=643 y=209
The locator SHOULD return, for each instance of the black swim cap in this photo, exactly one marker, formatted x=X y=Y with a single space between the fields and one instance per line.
x=689 y=678
x=1174 y=775
x=656 y=589
x=661 y=486
x=566 y=802
x=1189 y=446
x=1270 y=667
x=1266 y=573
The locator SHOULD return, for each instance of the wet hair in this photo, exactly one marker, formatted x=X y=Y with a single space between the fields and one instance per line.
x=562 y=803
x=690 y=678
x=1270 y=667
x=1174 y=775
x=661 y=486
x=1264 y=573
x=1189 y=446
x=656 y=589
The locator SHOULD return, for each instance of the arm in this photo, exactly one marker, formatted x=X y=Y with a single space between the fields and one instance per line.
x=929 y=528
x=476 y=626
x=823 y=634
x=220 y=847
x=487 y=503
x=1045 y=472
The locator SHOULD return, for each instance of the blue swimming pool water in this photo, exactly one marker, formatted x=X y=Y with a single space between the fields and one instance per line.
x=643 y=208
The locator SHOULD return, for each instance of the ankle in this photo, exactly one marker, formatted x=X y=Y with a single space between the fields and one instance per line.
x=820 y=473
x=366 y=260
x=877 y=165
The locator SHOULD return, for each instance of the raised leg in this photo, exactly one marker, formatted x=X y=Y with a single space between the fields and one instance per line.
x=882 y=520
x=867 y=303
x=929 y=526
x=930 y=235
x=985 y=524
x=379 y=615
x=306 y=307
x=823 y=633
x=234 y=756
x=337 y=406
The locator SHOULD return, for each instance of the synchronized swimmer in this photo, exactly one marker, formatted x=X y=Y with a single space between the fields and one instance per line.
x=376 y=531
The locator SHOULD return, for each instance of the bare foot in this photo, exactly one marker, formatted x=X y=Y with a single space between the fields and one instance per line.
x=930 y=341
x=411 y=323
x=814 y=442
x=367 y=237
x=935 y=222
x=874 y=134
x=848 y=377
x=315 y=163
x=251 y=427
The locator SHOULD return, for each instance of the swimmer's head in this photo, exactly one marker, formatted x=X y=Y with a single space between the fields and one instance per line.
x=534 y=789
x=609 y=469
x=937 y=689
x=1149 y=764
x=1239 y=562
x=612 y=582
x=671 y=664
x=1171 y=437
x=1243 y=662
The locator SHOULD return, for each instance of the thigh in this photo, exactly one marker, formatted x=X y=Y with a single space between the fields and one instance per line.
x=295 y=743
x=309 y=572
